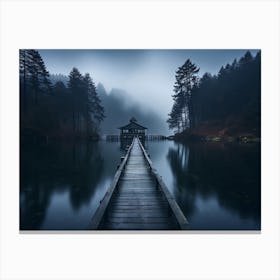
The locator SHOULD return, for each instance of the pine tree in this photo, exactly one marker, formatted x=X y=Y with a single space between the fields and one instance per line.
x=78 y=93
x=95 y=111
x=174 y=120
x=186 y=79
x=24 y=68
x=34 y=78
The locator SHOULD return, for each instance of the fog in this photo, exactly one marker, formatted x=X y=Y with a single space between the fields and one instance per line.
x=120 y=107
x=147 y=76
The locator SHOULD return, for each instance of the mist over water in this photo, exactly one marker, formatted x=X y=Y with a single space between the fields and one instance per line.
x=120 y=107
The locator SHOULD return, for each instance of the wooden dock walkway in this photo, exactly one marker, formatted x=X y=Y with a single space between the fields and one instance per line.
x=138 y=198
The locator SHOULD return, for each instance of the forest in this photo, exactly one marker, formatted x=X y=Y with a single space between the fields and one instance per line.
x=222 y=106
x=226 y=105
x=57 y=107
x=56 y=110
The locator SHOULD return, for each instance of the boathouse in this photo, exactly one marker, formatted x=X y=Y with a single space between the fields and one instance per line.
x=131 y=130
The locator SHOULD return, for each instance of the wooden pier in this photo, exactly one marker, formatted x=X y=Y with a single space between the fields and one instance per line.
x=138 y=199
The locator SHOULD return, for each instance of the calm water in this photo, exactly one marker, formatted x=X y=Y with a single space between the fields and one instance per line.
x=216 y=185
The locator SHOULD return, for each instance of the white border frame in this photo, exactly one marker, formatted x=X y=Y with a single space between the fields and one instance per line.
x=147 y=24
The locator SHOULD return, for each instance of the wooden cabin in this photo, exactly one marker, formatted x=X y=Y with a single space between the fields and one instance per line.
x=129 y=131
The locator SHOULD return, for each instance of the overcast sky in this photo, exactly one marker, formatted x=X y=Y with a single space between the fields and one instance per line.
x=146 y=75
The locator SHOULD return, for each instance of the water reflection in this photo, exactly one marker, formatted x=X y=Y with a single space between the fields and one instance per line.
x=219 y=180
x=69 y=176
x=216 y=185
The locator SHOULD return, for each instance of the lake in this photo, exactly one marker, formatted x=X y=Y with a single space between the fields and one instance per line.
x=217 y=185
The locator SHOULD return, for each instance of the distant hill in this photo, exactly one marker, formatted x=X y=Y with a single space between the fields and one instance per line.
x=120 y=107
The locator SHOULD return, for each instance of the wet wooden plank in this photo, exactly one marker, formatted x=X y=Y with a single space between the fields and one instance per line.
x=140 y=226
x=143 y=207
x=138 y=220
x=139 y=214
x=139 y=202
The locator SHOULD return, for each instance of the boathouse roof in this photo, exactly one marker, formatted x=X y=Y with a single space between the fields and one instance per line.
x=133 y=125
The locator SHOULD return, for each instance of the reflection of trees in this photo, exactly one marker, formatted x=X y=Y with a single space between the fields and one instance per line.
x=229 y=171
x=76 y=167
x=87 y=174
x=179 y=161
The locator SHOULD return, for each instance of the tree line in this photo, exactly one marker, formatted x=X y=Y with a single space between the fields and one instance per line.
x=57 y=110
x=229 y=100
